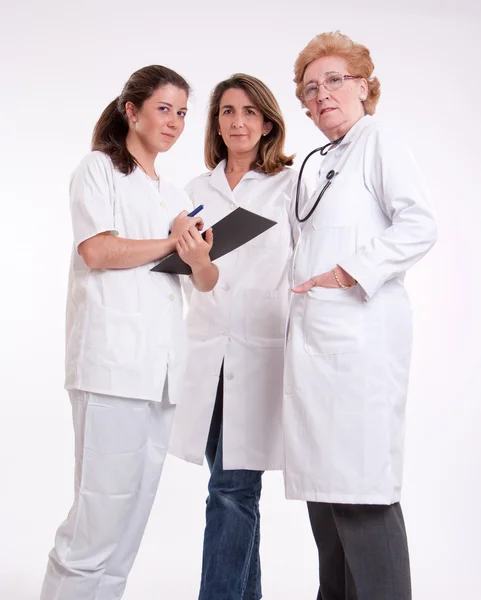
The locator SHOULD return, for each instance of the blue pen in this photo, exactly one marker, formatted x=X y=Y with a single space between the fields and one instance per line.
x=194 y=212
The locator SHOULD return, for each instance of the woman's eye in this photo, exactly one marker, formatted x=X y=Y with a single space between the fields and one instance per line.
x=226 y=111
x=163 y=108
x=182 y=113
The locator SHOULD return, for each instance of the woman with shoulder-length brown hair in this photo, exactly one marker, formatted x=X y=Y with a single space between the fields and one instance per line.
x=231 y=408
x=349 y=343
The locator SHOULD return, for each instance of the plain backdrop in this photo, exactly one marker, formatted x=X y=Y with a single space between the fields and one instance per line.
x=61 y=63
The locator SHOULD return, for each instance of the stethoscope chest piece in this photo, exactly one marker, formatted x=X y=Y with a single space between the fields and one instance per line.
x=329 y=179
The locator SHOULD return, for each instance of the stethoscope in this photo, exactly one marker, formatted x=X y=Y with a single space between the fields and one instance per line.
x=323 y=150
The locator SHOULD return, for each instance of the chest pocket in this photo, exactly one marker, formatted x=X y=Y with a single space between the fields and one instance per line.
x=271 y=237
x=339 y=207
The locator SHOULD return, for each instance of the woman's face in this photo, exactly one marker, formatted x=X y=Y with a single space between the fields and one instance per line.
x=334 y=111
x=241 y=123
x=160 y=121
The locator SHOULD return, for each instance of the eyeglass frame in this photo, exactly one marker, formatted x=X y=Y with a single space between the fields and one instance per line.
x=344 y=77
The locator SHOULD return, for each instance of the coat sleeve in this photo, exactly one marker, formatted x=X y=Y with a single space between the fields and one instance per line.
x=392 y=177
x=91 y=198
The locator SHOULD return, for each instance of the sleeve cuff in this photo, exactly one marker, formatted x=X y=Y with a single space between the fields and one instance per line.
x=86 y=235
x=363 y=274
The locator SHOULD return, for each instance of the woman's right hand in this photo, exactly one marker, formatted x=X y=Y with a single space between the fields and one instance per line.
x=183 y=223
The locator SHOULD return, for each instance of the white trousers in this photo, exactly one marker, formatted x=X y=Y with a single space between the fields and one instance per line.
x=120 y=448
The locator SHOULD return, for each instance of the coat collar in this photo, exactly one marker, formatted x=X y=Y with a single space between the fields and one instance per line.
x=219 y=181
x=356 y=129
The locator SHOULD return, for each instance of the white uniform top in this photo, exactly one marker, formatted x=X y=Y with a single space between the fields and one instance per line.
x=348 y=350
x=125 y=329
x=241 y=322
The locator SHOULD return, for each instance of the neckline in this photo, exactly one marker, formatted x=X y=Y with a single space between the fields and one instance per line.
x=148 y=176
x=153 y=183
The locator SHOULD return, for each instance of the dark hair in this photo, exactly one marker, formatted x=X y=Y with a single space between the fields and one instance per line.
x=111 y=130
x=270 y=157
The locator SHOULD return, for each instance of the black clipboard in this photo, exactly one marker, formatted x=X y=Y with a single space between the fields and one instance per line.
x=236 y=229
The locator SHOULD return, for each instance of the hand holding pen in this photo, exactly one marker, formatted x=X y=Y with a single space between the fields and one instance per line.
x=184 y=221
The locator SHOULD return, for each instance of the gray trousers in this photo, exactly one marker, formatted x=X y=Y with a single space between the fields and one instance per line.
x=363 y=551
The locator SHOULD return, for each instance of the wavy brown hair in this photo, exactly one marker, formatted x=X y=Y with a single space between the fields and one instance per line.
x=356 y=55
x=110 y=132
x=270 y=157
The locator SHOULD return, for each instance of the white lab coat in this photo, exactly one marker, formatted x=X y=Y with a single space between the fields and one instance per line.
x=241 y=322
x=125 y=329
x=348 y=350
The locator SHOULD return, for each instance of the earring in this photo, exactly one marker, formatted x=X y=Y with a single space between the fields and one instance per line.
x=219 y=133
x=362 y=98
x=264 y=134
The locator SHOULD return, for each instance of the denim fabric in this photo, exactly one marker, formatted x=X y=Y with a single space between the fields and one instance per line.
x=231 y=563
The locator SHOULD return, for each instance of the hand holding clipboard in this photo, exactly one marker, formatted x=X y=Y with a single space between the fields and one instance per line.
x=236 y=229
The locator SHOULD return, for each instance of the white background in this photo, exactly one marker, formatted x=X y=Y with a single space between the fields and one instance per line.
x=61 y=64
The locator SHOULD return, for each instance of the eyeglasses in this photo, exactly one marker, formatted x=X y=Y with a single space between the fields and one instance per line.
x=335 y=81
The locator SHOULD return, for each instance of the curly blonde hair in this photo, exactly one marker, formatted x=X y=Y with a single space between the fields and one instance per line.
x=356 y=55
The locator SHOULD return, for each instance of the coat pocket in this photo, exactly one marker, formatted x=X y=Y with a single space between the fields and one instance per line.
x=334 y=321
x=265 y=315
x=114 y=338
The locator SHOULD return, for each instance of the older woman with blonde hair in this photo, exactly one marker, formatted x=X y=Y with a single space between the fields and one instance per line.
x=232 y=402
x=349 y=337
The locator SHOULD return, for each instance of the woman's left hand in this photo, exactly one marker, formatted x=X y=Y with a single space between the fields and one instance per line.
x=326 y=280
x=193 y=249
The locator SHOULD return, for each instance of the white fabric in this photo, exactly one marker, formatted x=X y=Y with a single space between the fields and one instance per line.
x=348 y=351
x=124 y=326
x=242 y=321
x=120 y=447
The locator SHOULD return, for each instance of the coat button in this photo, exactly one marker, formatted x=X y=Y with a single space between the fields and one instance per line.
x=226 y=287
x=225 y=332
x=171 y=297
x=229 y=376
x=233 y=206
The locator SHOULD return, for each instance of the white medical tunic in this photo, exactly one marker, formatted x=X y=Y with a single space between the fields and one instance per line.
x=125 y=331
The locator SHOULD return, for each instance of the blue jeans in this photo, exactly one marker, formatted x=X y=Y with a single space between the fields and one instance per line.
x=231 y=568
